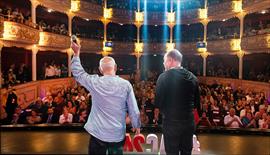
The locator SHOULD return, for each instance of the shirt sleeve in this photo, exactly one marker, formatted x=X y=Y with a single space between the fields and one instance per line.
x=133 y=110
x=80 y=75
x=61 y=119
x=197 y=103
x=159 y=94
x=226 y=120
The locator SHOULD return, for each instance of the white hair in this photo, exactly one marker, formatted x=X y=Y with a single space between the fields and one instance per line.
x=107 y=62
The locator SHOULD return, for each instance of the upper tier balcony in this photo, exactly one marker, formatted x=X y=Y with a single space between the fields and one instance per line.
x=25 y=36
x=219 y=11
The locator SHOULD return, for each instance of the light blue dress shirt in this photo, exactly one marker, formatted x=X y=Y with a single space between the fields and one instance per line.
x=112 y=98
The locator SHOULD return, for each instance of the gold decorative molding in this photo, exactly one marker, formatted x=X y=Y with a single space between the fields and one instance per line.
x=224 y=46
x=255 y=43
x=91 y=45
x=53 y=40
x=20 y=33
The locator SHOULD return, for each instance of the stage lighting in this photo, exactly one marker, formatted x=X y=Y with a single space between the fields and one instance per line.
x=171 y=17
x=235 y=44
x=170 y=46
x=237 y=6
x=107 y=13
x=139 y=17
x=202 y=13
x=75 y=5
x=138 y=47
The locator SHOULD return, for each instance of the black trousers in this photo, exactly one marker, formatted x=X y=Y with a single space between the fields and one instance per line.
x=178 y=136
x=98 y=147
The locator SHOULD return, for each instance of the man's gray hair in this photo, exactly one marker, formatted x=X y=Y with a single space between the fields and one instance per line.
x=175 y=55
x=107 y=62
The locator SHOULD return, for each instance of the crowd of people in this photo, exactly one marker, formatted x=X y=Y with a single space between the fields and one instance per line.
x=257 y=29
x=52 y=70
x=70 y=105
x=16 y=15
x=221 y=106
x=58 y=28
x=16 y=75
x=21 y=74
x=234 y=108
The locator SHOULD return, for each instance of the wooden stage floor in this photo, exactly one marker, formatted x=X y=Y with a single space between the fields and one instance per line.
x=76 y=142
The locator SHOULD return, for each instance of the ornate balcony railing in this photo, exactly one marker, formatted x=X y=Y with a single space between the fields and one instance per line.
x=224 y=46
x=20 y=33
x=256 y=43
x=52 y=40
x=91 y=45
x=94 y=11
x=13 y=32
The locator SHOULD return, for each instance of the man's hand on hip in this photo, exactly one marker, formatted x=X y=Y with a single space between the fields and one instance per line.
x=136 y=130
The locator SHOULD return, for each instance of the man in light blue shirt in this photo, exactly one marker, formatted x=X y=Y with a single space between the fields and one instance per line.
x=112 y=98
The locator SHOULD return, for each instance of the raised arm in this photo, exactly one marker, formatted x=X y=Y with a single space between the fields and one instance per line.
x=78 y=72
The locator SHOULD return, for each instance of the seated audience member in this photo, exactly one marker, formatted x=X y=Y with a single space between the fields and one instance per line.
x=157 y=117
x=244 y=111
x=263 y=122
x=144 y=118
x=3 y=115
x=50 y=72
x=33 y=118
x=82 y=116
x=82 y=113
x=231 y=120
x=268 y=121
x=66 y=117
x=46 y=98
x=17 y=116
x=70 y=108
x=216 y=114
x=248 y=121
x=204 y=121
x=50 y=117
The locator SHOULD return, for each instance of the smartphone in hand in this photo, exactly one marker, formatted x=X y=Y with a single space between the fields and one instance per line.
x=74 y=39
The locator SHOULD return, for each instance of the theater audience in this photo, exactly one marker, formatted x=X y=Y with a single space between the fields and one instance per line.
x=263 y=122
x=218 y=104
x=204 y=121
x=50 y=117
x=33 y=118
x=231 y=120
x=66 y=117
x=248 y=121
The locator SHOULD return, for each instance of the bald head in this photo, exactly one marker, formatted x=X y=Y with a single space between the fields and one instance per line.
x=172 y=59
x=107 y=65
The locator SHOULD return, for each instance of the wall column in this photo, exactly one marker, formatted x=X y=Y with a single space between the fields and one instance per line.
x=69 y=53
x=34 y=5
x=204 y=55
x=240 y=55
x=205 y=23
x=70 y=17
x=1 y=47
x=34 y=62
